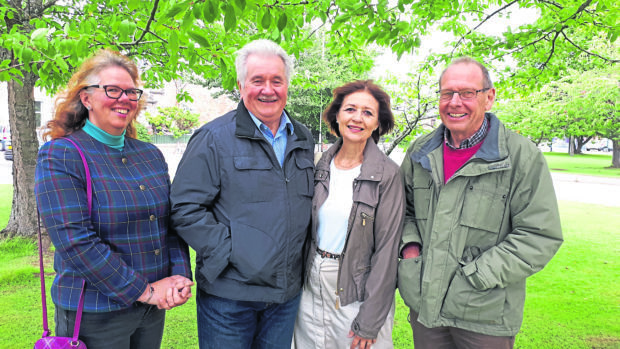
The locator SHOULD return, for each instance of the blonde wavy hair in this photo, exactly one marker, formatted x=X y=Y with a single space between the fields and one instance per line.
x=70 y=114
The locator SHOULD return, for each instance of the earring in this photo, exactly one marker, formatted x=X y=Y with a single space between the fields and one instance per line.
x=88 y=107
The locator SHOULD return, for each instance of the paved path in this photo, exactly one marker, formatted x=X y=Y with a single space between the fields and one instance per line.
x=568 y=187
x=588 y=189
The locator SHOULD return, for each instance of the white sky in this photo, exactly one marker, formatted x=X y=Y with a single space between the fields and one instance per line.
x=387 y=63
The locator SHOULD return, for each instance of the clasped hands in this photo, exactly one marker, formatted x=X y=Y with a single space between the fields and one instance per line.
x=168 y=292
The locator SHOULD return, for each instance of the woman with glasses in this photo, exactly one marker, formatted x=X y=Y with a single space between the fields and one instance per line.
x=133 y=265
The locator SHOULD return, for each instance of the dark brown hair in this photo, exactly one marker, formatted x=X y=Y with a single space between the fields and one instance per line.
x=386 y=118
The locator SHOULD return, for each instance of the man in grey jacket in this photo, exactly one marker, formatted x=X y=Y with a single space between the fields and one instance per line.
x=241 y=198
x=481 y=217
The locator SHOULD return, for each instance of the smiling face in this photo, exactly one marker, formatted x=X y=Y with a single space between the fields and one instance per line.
x=358 y=117
x=464 y=117
x=111 y=115
x=265 y=88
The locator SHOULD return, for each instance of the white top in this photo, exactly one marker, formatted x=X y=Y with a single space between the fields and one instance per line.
x=334 y=213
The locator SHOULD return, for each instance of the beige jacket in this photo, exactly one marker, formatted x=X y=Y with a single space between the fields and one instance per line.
x=370 y=257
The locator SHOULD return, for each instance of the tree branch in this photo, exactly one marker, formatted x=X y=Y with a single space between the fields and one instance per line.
x=552 y=49
x=588 y=52
x=458 y=43
x=148 y=23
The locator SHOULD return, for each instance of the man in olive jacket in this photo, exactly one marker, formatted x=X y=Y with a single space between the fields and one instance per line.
x=481 y=217
x=242 y=199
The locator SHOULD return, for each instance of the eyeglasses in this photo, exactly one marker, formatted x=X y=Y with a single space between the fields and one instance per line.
x=446 y=95
x=116 y=92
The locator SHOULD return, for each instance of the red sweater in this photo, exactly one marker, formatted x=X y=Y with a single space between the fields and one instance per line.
x=453 y=159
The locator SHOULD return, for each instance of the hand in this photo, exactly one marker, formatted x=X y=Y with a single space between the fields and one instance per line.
x=177 y=295
x=363 y=343
x=411 y=250
x=177 y=287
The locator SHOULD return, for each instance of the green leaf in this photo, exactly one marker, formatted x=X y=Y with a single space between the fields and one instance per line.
x=197 y=10
x=240 y=4
x=199 y=38
x=230 y=19
x=188 y=20
x=26 y=55
x=39 y=34
x=123 y=30
x=209 y=11
x=60 y=62
x=282 y=22
x=133 y=5
x=275 y=35
x=175 y=10
x=266 y=20
x=173 y=41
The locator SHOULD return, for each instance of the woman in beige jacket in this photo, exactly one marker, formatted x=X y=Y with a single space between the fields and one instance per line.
x=357 y=216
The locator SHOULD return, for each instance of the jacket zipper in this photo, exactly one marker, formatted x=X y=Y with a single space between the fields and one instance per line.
x=346 y=242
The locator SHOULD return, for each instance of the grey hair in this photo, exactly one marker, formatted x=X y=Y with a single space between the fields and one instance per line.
x=486 y=78
x=261 y=47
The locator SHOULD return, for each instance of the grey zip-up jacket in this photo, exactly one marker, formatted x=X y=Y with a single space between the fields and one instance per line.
x=369 y=260
x=493 y=224
x=246 y=216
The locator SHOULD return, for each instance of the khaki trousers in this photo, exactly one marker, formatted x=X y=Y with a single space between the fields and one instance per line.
x=319 y=324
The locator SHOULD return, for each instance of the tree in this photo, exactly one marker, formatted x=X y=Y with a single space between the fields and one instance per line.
x=579 y=106
x=319 y=73
x=42 y=42
x=172 y=120
x=413 y=100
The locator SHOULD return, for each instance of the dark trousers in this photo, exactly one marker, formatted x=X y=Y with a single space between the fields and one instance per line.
x=454 y=338
x=140 y=326
x=231 y=324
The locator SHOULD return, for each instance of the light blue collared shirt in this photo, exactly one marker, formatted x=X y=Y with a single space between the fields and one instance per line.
x=279 y=141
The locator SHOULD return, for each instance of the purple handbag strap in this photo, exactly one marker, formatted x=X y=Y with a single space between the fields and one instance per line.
x=78 y=317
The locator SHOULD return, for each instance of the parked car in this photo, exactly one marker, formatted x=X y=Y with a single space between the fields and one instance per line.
x=8 y=151
x=600 y=145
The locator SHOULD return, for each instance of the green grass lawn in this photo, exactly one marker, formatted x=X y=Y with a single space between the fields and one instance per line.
x=587 y=164
x=573 y=303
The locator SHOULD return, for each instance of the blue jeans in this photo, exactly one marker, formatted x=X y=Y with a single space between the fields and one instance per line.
x=140 y=326
x=226 y=323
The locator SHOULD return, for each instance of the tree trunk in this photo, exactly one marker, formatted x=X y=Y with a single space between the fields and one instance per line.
x=571 y=146
x=615 y=158
x=23 y=219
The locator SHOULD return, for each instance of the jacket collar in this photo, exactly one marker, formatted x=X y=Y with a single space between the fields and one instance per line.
x=493 y=149
x=372 y=155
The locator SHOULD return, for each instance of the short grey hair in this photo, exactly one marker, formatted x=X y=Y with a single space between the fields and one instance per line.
x=486 y=78
x=261 y=47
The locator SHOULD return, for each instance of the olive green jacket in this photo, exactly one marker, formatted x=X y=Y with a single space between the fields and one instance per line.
x=493 y=224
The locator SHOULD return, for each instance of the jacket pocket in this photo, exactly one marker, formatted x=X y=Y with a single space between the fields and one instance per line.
x=305 y=178
x=409 y=281
x=360 y=277
x=253 y=178
x=422 y=191
x=254 y=258
x=464 y=302
x=483 y=207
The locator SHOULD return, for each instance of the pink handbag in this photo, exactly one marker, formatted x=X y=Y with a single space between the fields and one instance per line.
x=51 y=342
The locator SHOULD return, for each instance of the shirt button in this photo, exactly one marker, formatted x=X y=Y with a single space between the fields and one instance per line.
x=152 y=217
x=124 y=160
x=142 y=187
x=157 y=252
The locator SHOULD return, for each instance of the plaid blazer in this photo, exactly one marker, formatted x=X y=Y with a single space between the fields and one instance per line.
x=127 y=241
